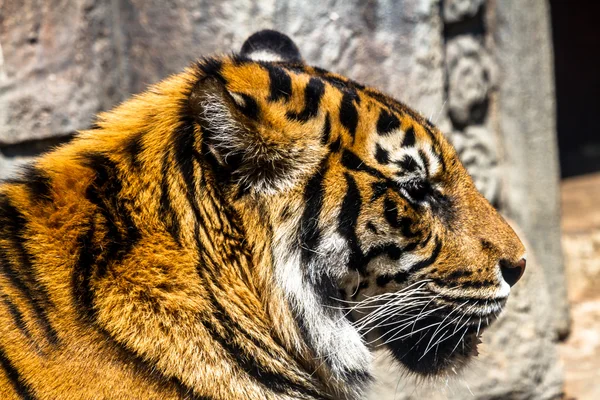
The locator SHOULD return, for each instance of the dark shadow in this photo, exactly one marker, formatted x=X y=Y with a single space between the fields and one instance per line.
x=576 y=34
x=33 y=148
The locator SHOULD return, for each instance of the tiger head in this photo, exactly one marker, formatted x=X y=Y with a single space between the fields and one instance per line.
x=377 y=234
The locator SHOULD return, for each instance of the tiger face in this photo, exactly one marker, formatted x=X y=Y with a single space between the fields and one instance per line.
x=379 y=236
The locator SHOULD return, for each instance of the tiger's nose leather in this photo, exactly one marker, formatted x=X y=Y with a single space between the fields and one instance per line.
x=512 y=272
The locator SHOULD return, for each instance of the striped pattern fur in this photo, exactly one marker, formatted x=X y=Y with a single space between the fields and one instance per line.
x=248 y=229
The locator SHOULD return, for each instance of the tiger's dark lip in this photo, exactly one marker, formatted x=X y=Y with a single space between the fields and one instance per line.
x=416 y=354
x=463 y=320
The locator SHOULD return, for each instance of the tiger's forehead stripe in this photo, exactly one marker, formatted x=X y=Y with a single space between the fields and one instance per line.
x=369 y=123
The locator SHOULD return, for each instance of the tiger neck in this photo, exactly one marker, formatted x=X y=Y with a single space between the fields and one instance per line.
x=316 y=333
x=259 y=312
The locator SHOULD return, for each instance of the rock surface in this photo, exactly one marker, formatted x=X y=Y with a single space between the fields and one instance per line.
x=59 y=65
x=459 y=10
x=524 y=111
x=470 y=72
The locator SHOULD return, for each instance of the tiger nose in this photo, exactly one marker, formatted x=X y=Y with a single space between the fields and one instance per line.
x=512 y=272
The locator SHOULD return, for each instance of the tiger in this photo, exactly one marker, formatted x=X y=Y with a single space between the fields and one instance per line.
x=251 y=228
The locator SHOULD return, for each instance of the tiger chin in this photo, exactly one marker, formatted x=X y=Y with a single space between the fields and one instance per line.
x=252 y=228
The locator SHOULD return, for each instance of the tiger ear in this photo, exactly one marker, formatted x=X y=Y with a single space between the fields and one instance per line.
x=245 y=144
x=270 y=45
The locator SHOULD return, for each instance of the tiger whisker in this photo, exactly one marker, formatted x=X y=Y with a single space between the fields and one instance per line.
x=442 y=337
x=442 y=326
x=410 y=333
x=395 y=322
x=398 y=330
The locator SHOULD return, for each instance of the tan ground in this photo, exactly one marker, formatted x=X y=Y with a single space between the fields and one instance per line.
x=581 y=244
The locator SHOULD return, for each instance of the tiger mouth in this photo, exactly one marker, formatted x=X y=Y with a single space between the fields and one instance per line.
x=437 y=342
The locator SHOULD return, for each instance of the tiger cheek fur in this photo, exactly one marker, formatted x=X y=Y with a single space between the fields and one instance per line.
x=250 y=228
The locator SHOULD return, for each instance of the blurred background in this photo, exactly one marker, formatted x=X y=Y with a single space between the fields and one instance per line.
x=513 y=83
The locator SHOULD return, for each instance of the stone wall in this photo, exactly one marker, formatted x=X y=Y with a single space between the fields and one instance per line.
x=480 y=69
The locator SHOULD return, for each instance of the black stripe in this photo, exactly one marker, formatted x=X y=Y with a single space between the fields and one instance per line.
x=230 y=334
x=272 y=381
x=326 y=135
x=310 y=234
x=211 y=67
x=167 y=214
x=409 y=137
x=17 y=316
x=184 y=142
x=348 y=113
x=83 y=292
x=280 y=85
x=105 y=193
x=428 y=261
x=371 y=226
x=399 y=277
x=383 y=280
x=184 y=146
x=38 y=184
x=36 y=181
x=381 y=155
x=23 y=389
x=425 y=162
x=395 y=105
x=250 y=107
x=100 y=247
x=298 y=68
x=425 y=241
x=146 y=369
x=312 y=97
x=408 y=164
x=390 y=212
x=134 y=147
x=387 y=123
x=391 y=250
x=336 y=145
x=23 y=277
x=437 y=151
x=337 y=81
x=354 y=163
x=428 y=128
x=379 y=189
x=348 y=220
x=31 y=296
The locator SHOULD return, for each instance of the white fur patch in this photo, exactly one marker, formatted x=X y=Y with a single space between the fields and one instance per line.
x=504 y=289
x=265 y=55
x=331 y=335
